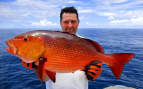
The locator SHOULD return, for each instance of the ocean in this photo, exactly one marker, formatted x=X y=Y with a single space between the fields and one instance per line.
x=14 y=76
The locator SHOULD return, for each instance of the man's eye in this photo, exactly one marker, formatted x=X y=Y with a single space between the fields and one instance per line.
x=66 y=22
x=25 y=39
x=73 y=21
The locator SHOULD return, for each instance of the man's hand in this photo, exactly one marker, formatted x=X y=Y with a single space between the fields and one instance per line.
x=93 y=70
x=32 y=66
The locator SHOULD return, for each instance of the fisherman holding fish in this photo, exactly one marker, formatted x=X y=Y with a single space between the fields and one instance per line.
x=69 y=22
x=64 y=60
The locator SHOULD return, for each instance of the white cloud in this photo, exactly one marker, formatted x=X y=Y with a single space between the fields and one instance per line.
x=107 y=12
x=29 y=8
x=37 y=4
x=72 y=2
x=129 y=14
x=118 y=5
x=86 y=11
x=118 y=1
x=130 y=17
x=131 y=21
x=44 y=22
x=119 y=21
x=138 y=21
x=111 y=17
x=89 y=24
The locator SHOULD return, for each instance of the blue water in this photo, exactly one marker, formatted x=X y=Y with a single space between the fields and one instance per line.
x=14 y=76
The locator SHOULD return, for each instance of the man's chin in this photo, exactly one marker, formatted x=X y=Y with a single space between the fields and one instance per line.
x=72 y=31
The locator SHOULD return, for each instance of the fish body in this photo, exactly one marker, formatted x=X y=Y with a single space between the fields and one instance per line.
x=63 y=52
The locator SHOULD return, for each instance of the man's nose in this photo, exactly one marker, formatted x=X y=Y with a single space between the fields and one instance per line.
x=70 y=24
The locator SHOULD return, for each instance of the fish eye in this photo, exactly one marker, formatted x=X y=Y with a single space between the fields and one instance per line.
x=25 y=39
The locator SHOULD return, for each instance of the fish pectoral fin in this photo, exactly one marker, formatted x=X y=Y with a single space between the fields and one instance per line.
x=51 y=75
x=41 y=69
x=44 y=74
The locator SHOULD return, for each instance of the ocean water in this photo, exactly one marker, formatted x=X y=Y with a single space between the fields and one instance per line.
x=14 y=76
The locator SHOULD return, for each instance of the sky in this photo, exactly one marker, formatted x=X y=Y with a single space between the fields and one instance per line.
x=92 y=13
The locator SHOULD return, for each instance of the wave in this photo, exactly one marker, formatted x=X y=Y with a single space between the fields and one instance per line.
x=119 y=87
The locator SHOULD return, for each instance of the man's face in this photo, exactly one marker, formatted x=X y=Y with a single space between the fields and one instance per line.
x=69 y=23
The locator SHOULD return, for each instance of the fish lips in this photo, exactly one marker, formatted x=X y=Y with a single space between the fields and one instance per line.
x=11 y=48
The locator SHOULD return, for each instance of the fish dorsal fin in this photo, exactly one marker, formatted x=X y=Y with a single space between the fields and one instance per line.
x=96 y=45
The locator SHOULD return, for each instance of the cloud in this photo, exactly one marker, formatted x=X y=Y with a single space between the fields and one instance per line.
x=128 y=17
x=107 y=14
x=72 y=2
x=89 y=24
x=86 y=11
x=118 y=1
x=119 y=21
x=137 y=21
x=112 y=5
x=43 y=22
x=130 y=21
x=28 y=8
x=25 y=12
x=46 y=12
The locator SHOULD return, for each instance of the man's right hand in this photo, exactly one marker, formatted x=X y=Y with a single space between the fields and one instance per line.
x=93 y=70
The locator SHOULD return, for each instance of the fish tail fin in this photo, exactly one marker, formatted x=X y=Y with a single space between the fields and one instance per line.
x=120 y=59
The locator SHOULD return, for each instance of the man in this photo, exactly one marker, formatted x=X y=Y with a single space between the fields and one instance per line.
x=69 y=22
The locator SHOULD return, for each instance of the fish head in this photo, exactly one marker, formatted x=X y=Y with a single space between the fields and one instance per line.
x=26 y=47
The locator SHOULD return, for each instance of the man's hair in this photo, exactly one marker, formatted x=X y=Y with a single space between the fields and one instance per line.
x=68 y=10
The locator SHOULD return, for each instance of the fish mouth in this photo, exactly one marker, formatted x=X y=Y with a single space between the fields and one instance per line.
x=11 y=48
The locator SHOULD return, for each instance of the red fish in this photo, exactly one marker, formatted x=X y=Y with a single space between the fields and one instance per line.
x=63 y=52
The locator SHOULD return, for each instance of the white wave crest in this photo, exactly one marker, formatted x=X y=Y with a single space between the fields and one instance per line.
x=119 y=87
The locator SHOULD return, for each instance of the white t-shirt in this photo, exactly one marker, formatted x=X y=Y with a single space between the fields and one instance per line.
x=75 y=80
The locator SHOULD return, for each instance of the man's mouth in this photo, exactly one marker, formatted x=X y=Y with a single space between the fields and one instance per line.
x=71 y=31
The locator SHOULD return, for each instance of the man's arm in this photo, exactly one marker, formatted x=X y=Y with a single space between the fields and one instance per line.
x=94 y=69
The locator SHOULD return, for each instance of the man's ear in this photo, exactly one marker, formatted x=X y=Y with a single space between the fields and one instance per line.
x=60 y=23
x=78 y=21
